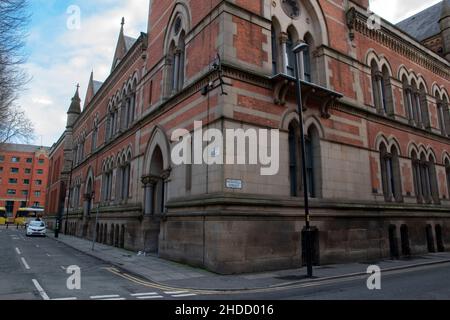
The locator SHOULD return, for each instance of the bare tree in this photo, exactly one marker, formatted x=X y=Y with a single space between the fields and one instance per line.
x=16 y=127
x=14 y=19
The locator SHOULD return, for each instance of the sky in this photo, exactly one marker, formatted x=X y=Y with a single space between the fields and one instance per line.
x=62 y=52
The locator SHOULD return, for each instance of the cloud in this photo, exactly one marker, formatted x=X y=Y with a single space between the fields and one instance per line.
x=396 y=10
x=60 y=58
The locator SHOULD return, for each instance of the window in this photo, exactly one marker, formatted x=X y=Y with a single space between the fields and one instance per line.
x=447 y=172
x=290 y=56
x=390 y=174
x=443 y=115
x=36 y=205
x=29 y=160
x=37 y=193
x=381 y=89
x=94 y=136
x=38 y=182
x=274 y=50
x=15 y=159
x=425 y=183
x=2 y=158
x=25 y=193
x=26 y=182
x=1 y=169
x=11 y=192
x=175 y=54
x=312 y=150
x=27 y=171
x=14 y=170
x=124 y=174
x=12 y=181
x=40 y=171
x=41 y=161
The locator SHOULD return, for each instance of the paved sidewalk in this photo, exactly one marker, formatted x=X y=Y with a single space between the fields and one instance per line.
x=173 y=274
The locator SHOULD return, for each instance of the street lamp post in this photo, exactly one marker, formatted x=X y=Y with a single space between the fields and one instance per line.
x=298 y=50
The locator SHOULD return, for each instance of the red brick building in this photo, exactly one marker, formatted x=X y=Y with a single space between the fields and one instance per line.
x=23 y=176
x=377 y=123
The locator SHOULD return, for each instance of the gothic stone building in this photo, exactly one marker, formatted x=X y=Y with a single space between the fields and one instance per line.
x=376 y=101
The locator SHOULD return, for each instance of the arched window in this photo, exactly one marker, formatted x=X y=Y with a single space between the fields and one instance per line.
x=290 y=56
x=94 y=135
x=312 y=150
x=124 y=172
x=176 y=56
x=386 y=92
x=447 y=173
x=407 y=100
x=377 y=86
x=415 y=97
x=294 y=159
x=390 y=174
x=308 y=69
x=425 y=182
x=313 y=162
x=381 y=89
x=443 y=115
x=275 y=52
x=131 y=106
x=423 y=106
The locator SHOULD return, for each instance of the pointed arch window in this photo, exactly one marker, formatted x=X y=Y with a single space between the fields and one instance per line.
x=443 y=115
x=425 y=182
x=290 y=56
x=447 y=175
x=176 y=56
x=275 y=51
x=312 y=150
x=390 y=174
x=94 y=136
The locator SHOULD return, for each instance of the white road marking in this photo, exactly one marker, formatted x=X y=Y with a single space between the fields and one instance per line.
x=114 y=299
x=18 y=251
x=175 y=292
x=48 y=255
x=143 y=294
x=25 y=263
x=41 y=291
x=151 y=297
x=63 y=268
x=105 y=297
x=65 y=299
x=184 y=295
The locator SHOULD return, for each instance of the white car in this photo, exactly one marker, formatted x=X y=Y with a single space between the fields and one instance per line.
x=36 y=228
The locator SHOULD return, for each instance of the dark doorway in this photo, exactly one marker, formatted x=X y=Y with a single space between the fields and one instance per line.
x=315 y=245
x=393 y=242
x=404 y=233
x=430 y=239
x=439 y=238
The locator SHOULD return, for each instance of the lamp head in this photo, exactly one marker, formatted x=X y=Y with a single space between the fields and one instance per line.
x=302 y=46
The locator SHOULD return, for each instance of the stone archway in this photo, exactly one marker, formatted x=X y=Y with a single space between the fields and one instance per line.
x=155 y=183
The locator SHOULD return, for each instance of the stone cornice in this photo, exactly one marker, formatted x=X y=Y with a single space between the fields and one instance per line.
x=398 y=42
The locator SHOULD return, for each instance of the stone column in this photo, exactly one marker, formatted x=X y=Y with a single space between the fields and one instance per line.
x=149 y=183
x=166 y=178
